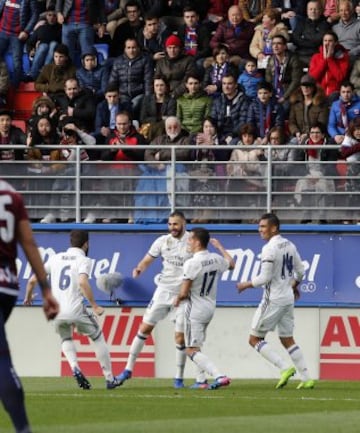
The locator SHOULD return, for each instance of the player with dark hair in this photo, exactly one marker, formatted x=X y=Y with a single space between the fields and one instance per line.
x=198 y=293
x=281 y=272
x=69 y=272
x=173 y=250
x=15 y=228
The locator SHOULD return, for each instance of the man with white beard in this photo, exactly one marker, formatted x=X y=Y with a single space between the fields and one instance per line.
x=161 y=156
x=174 y=134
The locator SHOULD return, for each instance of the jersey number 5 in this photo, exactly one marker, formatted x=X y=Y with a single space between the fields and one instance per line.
x=7 y=220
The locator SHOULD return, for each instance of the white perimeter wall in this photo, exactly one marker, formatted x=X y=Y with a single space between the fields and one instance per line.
x=35 y=346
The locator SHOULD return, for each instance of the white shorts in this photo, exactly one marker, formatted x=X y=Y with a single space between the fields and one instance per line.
x=195 y=333
x=160 y=306
x=269 y=316
x=85 y=324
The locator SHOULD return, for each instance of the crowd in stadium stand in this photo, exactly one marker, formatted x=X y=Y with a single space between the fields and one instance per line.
x=223 y=71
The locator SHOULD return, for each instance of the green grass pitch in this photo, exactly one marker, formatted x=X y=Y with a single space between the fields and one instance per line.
x=56 y=405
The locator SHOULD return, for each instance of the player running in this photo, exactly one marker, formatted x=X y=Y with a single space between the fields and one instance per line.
x=281 y=272
x=173 y=250
x=69 y=272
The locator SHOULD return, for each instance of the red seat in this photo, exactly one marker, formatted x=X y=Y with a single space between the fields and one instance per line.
x=20 y=100
x=341 y=169
x=20 y=124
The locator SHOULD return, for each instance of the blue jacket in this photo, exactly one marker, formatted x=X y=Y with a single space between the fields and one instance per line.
x=29 y=14
x=335 y=124
x=230 y=124
x=249 y=83
x=95 y=80
x=276 y=114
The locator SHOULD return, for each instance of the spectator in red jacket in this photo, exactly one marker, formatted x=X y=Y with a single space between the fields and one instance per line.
x=122 y=170
x=330 y=66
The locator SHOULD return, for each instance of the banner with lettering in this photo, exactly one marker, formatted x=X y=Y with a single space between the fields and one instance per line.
x=332 y=274
x=339 y=344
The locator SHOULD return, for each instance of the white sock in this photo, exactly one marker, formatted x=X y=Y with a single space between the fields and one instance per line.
x=69 y=349
x=200 y=374
x=268 y=353
x=298 y=359
x=204 y=363
x=136 y=347
x=103 y=356
x=180 y=361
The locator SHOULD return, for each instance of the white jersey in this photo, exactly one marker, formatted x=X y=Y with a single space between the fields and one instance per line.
x=174 y=253
x=204 y=270
x=280 y=265
x=64 y=270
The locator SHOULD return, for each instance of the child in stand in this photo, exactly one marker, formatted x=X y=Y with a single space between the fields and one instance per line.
x=250 y=78
x=264 y=112
x=220 y=66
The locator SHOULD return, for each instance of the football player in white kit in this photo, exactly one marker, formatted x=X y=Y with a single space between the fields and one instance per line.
x=198 y=293
x=173 y=250
x=69 y=273
x=280 y=274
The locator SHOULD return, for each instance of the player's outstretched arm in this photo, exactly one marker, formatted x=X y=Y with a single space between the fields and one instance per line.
x=217 y=244
x=28 y=244
x=142 y=265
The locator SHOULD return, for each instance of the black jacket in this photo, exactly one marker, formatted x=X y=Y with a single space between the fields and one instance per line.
x=84 y=105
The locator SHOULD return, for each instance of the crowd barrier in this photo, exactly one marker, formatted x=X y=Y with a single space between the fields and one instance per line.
x=145 y=192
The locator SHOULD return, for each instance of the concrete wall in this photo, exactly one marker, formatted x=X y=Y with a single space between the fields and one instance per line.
x=36 y=347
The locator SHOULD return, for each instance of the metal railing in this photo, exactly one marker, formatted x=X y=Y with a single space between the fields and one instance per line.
x=145 y=192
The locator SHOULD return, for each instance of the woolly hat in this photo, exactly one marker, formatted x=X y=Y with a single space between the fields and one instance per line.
x=173 y=40
x=43 y=100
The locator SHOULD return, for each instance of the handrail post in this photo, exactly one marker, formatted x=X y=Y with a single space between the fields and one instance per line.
x=269 y=181
x=173 y=180
x=77 y=185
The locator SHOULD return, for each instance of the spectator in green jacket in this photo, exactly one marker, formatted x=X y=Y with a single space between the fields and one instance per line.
x=194 y=105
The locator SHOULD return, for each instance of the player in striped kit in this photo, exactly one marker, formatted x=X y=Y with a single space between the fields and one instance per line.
x=15 y=228
x=281 y=272
x=17 y=19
